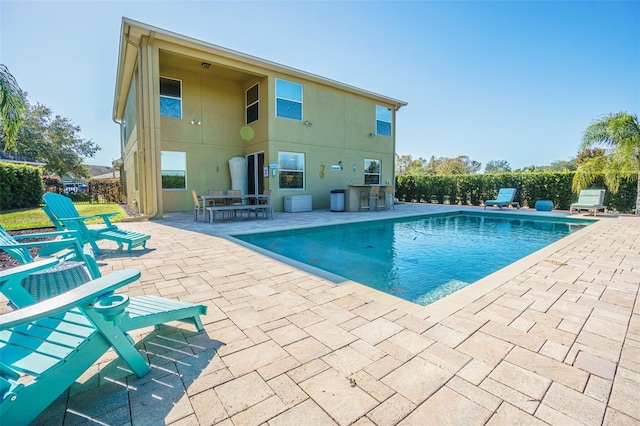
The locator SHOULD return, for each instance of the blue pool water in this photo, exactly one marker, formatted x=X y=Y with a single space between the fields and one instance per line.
x=418 y=259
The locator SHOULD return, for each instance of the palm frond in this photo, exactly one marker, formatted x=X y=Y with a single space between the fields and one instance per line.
x=12 y=107
x=588 y=171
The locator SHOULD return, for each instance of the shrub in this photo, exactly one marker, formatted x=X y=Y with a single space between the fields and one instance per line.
x=20 y=186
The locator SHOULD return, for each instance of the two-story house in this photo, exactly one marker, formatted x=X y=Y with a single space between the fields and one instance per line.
x=186 y=107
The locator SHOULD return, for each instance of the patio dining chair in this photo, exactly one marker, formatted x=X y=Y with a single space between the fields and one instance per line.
x=264 y=204
x=220 y=202
x=198 y=208
x=236 y=200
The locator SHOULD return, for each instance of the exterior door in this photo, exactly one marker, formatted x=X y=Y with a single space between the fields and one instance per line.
x=255 y=165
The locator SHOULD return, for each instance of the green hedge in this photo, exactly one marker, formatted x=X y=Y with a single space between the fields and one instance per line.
x=20 y=186
x=531 y=187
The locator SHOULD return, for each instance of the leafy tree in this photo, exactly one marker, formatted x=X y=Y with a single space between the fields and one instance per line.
x=461 y=165
x=562 y=166
x=619 y=135
x=402 y=163
x=54 y=141
x=417 y=167
x=556 y=166
x=12 y=106
x=497 y=166
x=406 y=165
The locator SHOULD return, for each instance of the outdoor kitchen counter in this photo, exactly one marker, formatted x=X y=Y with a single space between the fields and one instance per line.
x=352 y=196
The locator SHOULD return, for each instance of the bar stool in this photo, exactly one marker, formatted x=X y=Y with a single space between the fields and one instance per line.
x=381 y=200
x=389 y=198
x=364 y=197
x=373 y=197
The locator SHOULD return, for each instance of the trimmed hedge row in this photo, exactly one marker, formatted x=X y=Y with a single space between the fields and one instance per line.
x=531 y=187
x=23 y=186
x=20 y=186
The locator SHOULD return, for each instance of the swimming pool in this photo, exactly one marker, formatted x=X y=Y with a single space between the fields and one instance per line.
x=420 y=259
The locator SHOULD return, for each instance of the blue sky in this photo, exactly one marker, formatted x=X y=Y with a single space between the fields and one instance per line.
x=502 y=80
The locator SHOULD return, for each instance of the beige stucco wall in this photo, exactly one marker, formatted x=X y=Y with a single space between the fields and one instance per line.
x=218 y=105
x=340 y=131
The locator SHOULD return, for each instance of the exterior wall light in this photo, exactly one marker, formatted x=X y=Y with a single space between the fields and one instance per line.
x=206 y=65
x=372 y=134
x=307 y=123
x=196 y=122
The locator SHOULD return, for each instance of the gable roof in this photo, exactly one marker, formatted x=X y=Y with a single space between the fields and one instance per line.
x=10 y=157
x=133 y=31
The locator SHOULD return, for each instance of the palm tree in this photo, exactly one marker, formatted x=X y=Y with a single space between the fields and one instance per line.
x=12 y=106
x=619 y=135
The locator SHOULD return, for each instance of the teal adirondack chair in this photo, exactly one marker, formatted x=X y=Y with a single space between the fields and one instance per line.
x=64 y=215
x=46 y=346
x=67 y=246
x=505 y=198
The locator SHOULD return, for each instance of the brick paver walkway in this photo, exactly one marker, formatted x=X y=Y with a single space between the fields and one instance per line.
x=553 y=339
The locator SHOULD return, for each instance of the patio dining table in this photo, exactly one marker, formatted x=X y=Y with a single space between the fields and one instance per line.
x=227 y=198
x=209 y=205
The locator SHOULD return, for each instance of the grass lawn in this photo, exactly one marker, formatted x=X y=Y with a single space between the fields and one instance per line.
x=35 y=218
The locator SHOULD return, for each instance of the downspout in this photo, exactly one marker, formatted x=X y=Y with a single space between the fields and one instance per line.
x=141 y=125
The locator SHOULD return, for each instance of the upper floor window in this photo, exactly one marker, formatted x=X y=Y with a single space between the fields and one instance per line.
x=170 y=97
x=253 y=99
x=291 y=170
x=174 y=169
x=372 y=172
x=383 y=121
x=288 y=100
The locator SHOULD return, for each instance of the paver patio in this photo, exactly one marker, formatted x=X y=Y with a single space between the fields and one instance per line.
x=553 y=338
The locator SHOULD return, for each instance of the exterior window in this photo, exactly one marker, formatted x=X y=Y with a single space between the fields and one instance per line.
x=174 y=169
x=253 y=102
x=383 y=121
x=170 y=98
x=288 y=100
x=372 y=172
x=291 y=170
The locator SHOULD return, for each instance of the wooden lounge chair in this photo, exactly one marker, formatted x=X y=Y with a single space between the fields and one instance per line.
x=505 y=198
x=46 y=346
x=590 y=199
x=64 y=215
